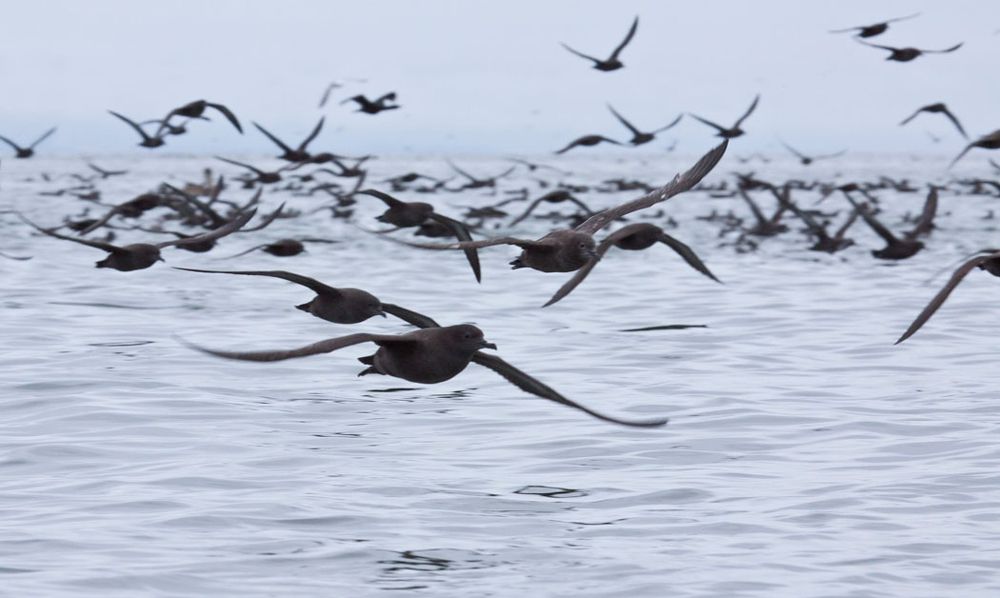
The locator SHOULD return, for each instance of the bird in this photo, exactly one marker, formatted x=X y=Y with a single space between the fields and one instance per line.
x=138 y=256
x=407 y=214
x=283 y=247
x=875 y=29
x=196 y=109
x=986 y=259
x=807 y=160
x=633 y=237
x=298 y=154
x=147 y=140
x=263 y=177
x=990 y=141
x=908 y=54
x=105 y=174
x=825 y=242
x=27 y=152
x=326 y=93
x=896 y=248
x=639 y=137
x=427 y=356
x=611 y=63
x=937 y=108
x=566 y=250
x=476 y=182
x=338 y=305
x=374 y=106
x=735 y=130
x=587 y=141
x=557 y=196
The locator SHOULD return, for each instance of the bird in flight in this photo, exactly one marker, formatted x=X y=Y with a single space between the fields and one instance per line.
x=611 y=63
x=908 y=54
x=27 y=152
x=735 y=130
x=876 y=28
x=937 y=108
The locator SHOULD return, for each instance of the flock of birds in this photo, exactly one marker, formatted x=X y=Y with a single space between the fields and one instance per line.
x=433 y=353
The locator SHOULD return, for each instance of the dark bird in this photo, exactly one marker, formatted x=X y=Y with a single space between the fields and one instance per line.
x=938 y=108
x=298 y=154
x=196 y=109
x=147 y=140
x=567 y=250
x=374 y=107
x=283 y=247
x=587 y=141
x=908 y=54
x=610 y=63
x=557 y=196
x=105 y=174
x=764 y=227
x=477 y=182
x=263 y=177
x=824 y=242
x=896 y=248
x=337 y=305
x=735 y=130
x=408 y=214
x=991 y=141
x=989 y=262
x=807 y=160
x=427 y=356
x=27 y=152
x=168 y=128
x=876 y=29
x=633 y=237
x=533 y=166
x=139 y=256
x=639 y=137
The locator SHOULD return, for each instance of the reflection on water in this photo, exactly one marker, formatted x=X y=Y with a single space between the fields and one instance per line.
x=806 y=455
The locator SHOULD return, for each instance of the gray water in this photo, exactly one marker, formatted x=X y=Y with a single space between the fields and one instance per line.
x=806 y=455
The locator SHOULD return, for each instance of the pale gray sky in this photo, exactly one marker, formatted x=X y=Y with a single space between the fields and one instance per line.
x=491 y=77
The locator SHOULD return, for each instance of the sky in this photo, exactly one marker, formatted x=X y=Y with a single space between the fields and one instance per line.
x=491 y=78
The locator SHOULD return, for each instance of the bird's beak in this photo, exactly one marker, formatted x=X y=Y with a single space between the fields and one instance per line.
x=381 y=312
x=516 y=263
x=487 y=345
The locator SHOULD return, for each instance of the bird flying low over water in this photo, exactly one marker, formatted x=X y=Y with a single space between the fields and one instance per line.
x=937 y=108
x=566 y=250
x=989 y=260
x=337 y=305
x=990 y=141
x=611 y=63
x=587 y=141
x=29 y=151
x=299 y=154
x=196 y=109
x=408 y=214
x=148 y=140
x=138 y=256
x=735 y=130
x=876 y=28
x=807 y=160
x=633 y=237
x=428 y=356
x=908 y=54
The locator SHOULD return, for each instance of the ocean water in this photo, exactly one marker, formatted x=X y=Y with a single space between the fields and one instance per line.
x=806 y=455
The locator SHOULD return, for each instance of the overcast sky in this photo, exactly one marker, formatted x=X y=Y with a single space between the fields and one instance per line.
x=491 y=77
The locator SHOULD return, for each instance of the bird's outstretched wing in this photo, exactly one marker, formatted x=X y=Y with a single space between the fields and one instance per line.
x=310 y=283
x=681 y=183
x=943 y=294
x=326 y=346
x=628 y=38
x=533 y=386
